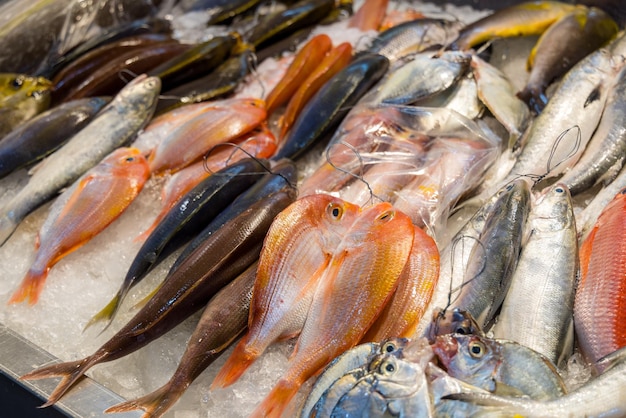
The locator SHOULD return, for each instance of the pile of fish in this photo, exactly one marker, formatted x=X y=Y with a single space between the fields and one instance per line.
x=385 y=202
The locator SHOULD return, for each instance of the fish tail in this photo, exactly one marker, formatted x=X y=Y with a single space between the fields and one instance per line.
x=275 y=403
x=31 y=287
x=238 y=362
x=107 y=313
x=154 y=404
x=70 y=372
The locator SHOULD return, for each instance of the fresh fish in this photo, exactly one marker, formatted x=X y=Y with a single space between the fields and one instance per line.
x=304 y=62
x=562 y=45
x=607 y=146
x=21 y=98
x=414 y=36
x=72 y=75
x=191 y=212
x=557 y=137
x=116 y=123
x=361 y=276
x=493 y=259
x=416 y=285
x=331 y=103
x=331 y=64
x=46 y=132
x=306 y=235
x=285 y=22
x=602 y=396
x=537 y=311
x=499 y=366
x=192 y=140
x=497 y=93
x=600 y=293
x=223 y=320
x=197 y=61
x=369 y=16
x=524 y=19
x=85 y=209
x=230 y=251
x=422 y=77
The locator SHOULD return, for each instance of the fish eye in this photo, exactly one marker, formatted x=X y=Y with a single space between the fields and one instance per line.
x=388 y=368
x=461 y=330
x=477 y=349
x=387 y=215
x=17 y=82
x=129 y=159
x=389 y=347
x=335 y=211
x=559 y=190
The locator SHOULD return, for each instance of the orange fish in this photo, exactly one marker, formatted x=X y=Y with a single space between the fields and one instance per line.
x=370 y=15
x=259 y=143
x=600 y=304
x=396 y=17
x=302 y=65
x=188 y=144
x=296 y=251
x=332 y=63
x=89 y=206
x=360 y=278
x=416 y=285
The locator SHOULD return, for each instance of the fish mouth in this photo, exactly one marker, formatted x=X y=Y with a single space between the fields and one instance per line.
x=445 y=349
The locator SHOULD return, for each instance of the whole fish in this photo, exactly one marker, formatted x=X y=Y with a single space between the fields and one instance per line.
x=361 y=276
x=90 y=205
x=307 y=58
x=414 y=36
x=494 y=258
x=117 y=122
x=193 y=139
x=422 y=77
x=607 y=145
x=600 y=293
x=524 y=19
x=498 y=95
x=307 y=235
x=558 y=135
x=561 y=46
x=336 y=59
x=46 y=132
x=223 y=320
x=230 y=251
x=537 y=311
x=498 y=366
x=602 y=396
x=21 y=98
x=182 y=222
x=331 y=103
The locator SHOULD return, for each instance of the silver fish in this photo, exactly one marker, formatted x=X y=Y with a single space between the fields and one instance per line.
x=461 y=97
x=538 y=309
x=607 y=146
x=602 y=396
x=114 y=126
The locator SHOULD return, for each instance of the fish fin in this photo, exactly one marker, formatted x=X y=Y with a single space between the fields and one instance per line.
x=238 y=362
x=594 y=95
x=147 y=298
x=276 y=402
x=70 y=372
x=31 y=287
x=107 y=313
x=154 y=404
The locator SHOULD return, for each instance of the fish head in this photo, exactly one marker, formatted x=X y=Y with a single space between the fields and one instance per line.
x=553 y=209
x=455 y=321
x=470 y=358
x=142 y=93
x=128 y=163
x=13 y=83
x=397 y=378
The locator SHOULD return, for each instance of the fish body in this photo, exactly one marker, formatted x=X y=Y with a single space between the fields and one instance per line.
x=21 y=98
x=46 y=132
x=494 y=259
x=331 y=103
x=537 y=311
x=230 y=251
x=524 y=19
x=360 y=278
x=369 y=16
x=607 y=145
x=562 y=45
x=90 y=205
x=598 y=307
x=116 y=123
